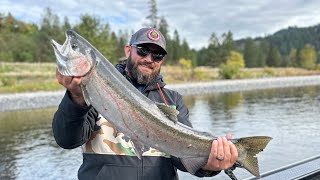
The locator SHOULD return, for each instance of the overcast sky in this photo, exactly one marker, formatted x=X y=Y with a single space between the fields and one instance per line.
x=195 y=20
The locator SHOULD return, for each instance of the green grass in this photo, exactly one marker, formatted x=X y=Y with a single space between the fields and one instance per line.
x=23 y=77
x=26 y=77
x=176 y=74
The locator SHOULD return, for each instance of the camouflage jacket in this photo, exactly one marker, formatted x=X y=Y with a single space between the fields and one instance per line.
x=107 y=153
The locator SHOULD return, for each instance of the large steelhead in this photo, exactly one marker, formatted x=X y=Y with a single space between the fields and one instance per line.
x=144 y=121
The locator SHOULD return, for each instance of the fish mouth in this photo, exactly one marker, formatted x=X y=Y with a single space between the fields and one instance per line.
x=56 y=46
x=71 y=62
x=61 y=53
x=61 y=50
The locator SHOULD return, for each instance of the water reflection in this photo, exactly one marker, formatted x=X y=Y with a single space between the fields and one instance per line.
x=290 y=116
x=28 y=150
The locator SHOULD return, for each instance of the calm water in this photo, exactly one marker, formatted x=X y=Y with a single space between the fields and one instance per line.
x=291 y=116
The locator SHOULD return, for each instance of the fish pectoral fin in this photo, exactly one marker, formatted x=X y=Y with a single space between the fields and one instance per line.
x=171 y=113
x=138 y=147
x=193 y=164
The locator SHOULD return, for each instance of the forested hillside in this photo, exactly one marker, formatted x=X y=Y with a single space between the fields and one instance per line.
x=293 y=47
x=25 y=42
x=294 y=37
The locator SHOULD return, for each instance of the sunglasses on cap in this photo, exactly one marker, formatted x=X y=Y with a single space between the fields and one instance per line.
x=144 y=51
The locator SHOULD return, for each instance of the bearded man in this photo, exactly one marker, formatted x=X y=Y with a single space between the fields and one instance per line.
x=109 y=154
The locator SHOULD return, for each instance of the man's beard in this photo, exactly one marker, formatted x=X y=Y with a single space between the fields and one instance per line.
x=140 y=77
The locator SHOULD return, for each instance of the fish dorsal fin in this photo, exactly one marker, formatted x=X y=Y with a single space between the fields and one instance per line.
x=171 y=113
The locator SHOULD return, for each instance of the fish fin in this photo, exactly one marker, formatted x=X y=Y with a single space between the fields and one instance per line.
x=138 y=147
x=169 y=112
x=193 y=164
x=252 y=145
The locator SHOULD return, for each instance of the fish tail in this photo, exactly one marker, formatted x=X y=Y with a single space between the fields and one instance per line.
x=248 y=148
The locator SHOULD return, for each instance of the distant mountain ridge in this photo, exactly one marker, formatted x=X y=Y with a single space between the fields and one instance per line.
x=291 y=37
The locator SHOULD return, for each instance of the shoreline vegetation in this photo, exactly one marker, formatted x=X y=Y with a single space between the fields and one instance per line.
x=31 y=77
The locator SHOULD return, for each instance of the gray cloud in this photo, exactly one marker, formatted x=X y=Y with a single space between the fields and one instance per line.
x=194 y=20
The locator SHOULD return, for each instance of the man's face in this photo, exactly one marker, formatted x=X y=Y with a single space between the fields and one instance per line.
x=144 y=69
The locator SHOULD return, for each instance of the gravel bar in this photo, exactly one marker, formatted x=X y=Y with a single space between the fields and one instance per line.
x=45 y=99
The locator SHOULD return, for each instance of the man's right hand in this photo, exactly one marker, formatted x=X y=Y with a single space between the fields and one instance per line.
x=73 y=86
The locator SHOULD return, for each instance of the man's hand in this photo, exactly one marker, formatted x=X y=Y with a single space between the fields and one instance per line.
x=223 y=154
x=73 y=86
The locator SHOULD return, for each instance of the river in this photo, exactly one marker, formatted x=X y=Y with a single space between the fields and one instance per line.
x=289 y=115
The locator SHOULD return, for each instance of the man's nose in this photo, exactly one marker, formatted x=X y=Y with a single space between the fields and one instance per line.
x=149 y=57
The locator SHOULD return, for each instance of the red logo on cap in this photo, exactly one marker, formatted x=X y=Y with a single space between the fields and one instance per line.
x=153 y=35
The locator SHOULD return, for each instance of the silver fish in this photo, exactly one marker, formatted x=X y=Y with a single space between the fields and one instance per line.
x=147 y=123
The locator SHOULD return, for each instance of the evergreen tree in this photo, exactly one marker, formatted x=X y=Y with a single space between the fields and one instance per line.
x=217 y=52
x=122 y=40
x=226 y=47
x=66 y=25
x=274 y=57
x=263 y=48
x=164 y=27
x=292 y=58
x=16 y=39
x=49 y=29
x=202 y=57
x=212 y=52
x=187 y=53
x=88 y=27
x=176 y=49
x=251 y=53
x=153 y=16
x=227 y=42
x=213 y=40
x=107 y=42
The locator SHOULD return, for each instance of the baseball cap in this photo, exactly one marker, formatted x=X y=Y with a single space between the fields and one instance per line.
x=149 y=35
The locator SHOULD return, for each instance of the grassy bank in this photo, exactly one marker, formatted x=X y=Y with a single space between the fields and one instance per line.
x=175 y=74
x=22 y=77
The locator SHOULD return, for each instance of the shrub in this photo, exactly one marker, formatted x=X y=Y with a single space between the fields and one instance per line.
x=185 y=63
x=230 y=69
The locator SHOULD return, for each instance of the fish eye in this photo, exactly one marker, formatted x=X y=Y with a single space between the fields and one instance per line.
x=73 y=46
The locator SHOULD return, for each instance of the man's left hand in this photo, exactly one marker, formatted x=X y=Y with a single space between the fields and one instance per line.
x=223 y=154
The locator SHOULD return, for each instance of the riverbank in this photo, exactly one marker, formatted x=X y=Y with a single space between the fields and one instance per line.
x=45 y=99
x=29 y=77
